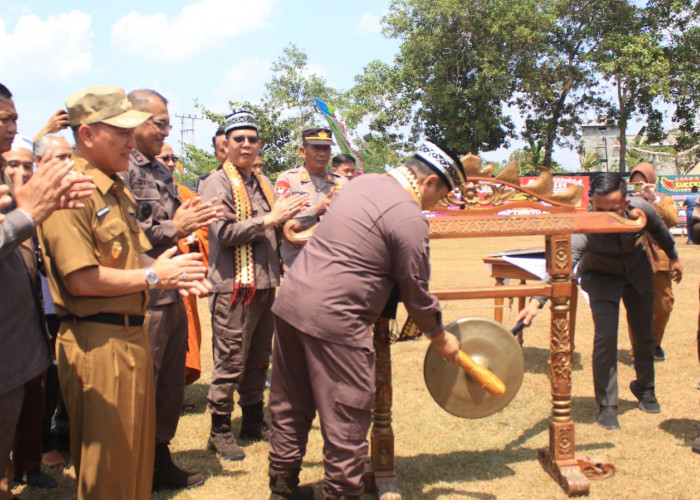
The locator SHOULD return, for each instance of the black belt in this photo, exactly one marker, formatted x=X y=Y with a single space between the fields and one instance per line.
x=111 y=319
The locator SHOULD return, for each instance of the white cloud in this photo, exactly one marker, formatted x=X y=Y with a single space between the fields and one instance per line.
x=58 y=47
x=242 y=81
x=369 y=24
x=198 y=26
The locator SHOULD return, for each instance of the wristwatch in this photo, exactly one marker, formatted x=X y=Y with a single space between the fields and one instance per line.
x=151 y=278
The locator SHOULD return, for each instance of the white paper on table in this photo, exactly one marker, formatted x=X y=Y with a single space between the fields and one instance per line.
x=538 y=267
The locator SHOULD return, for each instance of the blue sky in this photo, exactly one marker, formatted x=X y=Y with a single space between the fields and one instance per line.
x=210 y=50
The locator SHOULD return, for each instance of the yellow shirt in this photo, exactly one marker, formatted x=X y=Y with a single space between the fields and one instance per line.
x=104 y=233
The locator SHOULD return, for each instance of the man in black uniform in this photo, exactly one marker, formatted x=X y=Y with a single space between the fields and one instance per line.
x=612 y=267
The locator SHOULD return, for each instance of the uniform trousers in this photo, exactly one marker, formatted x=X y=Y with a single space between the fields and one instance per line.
x=663 y=305
x=242 y=344
x=336 y=380
x=167 y=330
x=605 y=307
x=107 y=385
x=11 y=405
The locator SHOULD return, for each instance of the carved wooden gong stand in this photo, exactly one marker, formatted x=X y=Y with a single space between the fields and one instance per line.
x=570 y=469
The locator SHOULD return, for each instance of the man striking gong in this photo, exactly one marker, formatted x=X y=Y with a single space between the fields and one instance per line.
x=373 y=237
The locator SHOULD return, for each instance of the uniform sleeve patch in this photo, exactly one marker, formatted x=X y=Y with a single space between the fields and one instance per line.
x=281 y=186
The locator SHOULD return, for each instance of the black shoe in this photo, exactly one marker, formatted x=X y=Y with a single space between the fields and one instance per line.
x=659 y=353
x=253 y=425
x=607 y=417
x=646 y=397
x=38 y=480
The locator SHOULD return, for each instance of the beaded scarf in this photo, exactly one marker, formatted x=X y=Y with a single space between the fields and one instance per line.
x=408 y=181
x=243 y=265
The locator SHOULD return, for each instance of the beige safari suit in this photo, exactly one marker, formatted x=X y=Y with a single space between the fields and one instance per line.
x=105 y=370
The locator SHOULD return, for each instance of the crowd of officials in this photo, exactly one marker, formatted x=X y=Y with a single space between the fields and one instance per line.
x=102 y=256
x=103 y=253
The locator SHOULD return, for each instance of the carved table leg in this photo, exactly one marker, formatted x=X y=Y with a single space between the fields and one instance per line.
x=560 y=458
x=498 y=303
x=380 y=474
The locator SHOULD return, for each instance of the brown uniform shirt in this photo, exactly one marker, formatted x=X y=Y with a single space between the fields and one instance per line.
x=666 y=208
x=227 y=232
x=104 y=233
x=373 y=237
x=157 y=199
x=299 y=180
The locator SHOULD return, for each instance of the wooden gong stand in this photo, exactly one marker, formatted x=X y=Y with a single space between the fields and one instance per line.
x=571 y=470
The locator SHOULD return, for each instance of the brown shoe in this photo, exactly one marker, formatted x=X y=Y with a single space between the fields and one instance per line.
x=168 y=476
x=221 y=439
x=284 y=485
x=53 y=458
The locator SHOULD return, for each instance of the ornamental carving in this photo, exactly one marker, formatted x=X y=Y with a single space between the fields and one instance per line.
x=562 y=254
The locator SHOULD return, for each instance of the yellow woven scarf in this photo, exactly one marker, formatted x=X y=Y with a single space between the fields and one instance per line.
x=243 y=265
x=408 y=181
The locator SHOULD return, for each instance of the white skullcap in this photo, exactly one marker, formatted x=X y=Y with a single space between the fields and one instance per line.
x=23 y=142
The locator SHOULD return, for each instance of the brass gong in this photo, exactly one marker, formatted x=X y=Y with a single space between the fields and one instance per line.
x=490 y=345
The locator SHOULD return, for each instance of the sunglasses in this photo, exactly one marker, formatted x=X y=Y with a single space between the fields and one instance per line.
x=167 y=158
x=162 y=125
x=252 y=139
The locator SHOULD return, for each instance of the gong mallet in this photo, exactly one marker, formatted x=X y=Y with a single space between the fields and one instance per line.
x=481 y=375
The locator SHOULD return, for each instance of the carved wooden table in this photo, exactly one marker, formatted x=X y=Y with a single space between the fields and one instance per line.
x=571 y=470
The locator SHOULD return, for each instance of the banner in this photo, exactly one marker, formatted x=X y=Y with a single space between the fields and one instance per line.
x=678 y=187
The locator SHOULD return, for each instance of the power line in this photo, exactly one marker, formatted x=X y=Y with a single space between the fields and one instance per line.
x=184 y=130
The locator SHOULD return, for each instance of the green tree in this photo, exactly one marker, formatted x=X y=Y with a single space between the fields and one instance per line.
x=590 y=161
x=448 y=82
x=635 y=56
x=195 y=163
x=286 y=108
x=552 y=41
x=531 y=158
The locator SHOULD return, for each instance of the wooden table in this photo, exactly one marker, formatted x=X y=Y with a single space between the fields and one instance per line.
x=502 y=270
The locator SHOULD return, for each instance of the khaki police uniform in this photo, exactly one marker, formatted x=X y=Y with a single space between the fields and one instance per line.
x=157 y=198
x=299 y=180
x=104 y=369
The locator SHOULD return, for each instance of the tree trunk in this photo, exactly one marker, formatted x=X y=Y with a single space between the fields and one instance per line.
x=623 y=144
x=624 y=116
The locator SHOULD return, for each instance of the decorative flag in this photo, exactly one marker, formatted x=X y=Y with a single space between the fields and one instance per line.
x=339 y=130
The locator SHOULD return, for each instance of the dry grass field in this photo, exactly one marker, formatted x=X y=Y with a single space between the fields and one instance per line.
x=439 y=456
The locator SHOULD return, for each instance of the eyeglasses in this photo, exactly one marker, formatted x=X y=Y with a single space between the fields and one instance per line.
x=162 y=125
x=168 y=158
x=252 y=139
x=27 y=165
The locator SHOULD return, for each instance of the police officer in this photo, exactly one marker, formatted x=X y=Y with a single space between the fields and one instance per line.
x=99 y=286
x=164 y=220
x=312 y=178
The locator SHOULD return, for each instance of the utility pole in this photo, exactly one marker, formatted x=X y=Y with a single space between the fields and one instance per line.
x=185 y=130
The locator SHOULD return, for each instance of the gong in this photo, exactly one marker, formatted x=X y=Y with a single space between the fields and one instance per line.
x=490 y=345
